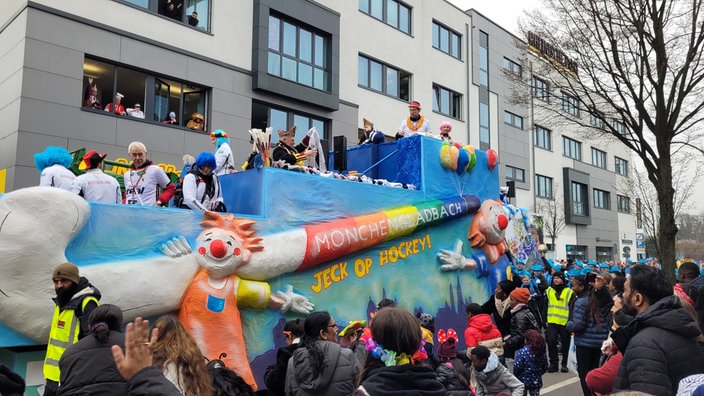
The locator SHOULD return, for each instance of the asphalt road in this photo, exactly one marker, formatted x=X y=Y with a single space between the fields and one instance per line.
x=561 y=384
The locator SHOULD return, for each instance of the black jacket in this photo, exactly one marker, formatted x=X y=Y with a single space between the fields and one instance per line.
x=88 y=368
x=275 y=374
x=661 y=349
x=11 y=383
x=448 y=378
x=503 y=323
x=406 y=380
x=150 y=381
x=521 y=321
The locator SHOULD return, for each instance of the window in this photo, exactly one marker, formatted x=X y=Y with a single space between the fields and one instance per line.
x=602 y=199
x=483 y=59
x=543 y=186
x=298 y=54
x=623 y=204
x=619 y=127
x=192 y=12
x=447 y=40
x=157 y=95
x=517 y=174
x=571 y=148
x=383 y=78
x=447 y=102
x=596 y=119
x=513 y=119
x=579 y=199
x=513 y=67
x=598 y=158
x=621 y=166
x=541 y=90
x=570 y=104
x=391 y=12
x=484 y=135
x=264 y=115
x=542 y=138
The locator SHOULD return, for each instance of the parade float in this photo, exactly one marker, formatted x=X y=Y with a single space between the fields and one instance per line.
x=423 y=226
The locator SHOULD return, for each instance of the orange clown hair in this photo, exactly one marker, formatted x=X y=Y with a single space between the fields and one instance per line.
x=241 y=227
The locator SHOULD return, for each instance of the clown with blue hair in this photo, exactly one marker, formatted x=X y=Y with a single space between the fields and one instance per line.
x=201 y=187
x=225 y=162
x=53 y=164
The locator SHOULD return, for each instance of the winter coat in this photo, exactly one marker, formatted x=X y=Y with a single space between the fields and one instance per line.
x=601 y=379
x=88 y=368
x=411 y=380
x=480 y=328
x=503 y=323
x=521 y=320
x=275 y=374
x=338 y=376
x=529 y=368
x=445 y=374
x=495 y=379
x=661 y=349
x=150 y=381
x=587 y=333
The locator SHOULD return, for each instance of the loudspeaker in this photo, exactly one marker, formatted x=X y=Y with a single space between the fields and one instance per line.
x=511 y=189
x=340 y=151
x=325 y=144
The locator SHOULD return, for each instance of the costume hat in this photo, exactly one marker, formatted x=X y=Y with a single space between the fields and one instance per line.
x=67 y=271
x=290 y=133
x=415 y=104
x=218 y=133
x=91 y=159
x=367 y=122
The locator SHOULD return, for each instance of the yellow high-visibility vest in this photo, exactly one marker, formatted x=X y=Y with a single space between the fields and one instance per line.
x=558 y=310
x=64 y=332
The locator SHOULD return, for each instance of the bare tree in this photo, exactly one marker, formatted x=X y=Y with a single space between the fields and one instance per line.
x=553 y=217
x=683 y=182
x=638 y=63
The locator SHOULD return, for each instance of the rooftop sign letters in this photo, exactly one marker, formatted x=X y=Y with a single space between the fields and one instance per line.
x=550 y=51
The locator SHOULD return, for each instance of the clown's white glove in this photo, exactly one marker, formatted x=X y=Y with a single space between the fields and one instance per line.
x=294 y=302
x=178 y=246
x=451 y=260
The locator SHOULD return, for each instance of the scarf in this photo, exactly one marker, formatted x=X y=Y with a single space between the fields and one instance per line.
x=501 y=306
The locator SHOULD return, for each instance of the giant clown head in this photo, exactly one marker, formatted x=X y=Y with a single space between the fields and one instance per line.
x=496 y=221
x=225 y=245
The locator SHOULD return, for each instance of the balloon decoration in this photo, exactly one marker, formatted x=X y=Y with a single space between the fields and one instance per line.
x=491 y=158
x=457 y=157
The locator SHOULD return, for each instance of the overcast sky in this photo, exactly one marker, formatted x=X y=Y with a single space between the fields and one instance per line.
x=505 y=13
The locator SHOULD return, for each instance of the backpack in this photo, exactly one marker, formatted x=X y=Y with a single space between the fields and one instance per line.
x=178 y=195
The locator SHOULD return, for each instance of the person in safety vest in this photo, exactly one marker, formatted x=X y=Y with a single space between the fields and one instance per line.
x=75 y=299
x=558 y=296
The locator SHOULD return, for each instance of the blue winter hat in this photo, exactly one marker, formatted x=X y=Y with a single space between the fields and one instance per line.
x=520 y=262
x=641 y=261
x=586 y=271
x=603 y=265
x=578 y=263
x=205 y=159
x=556 y=267
x=614 y=269
x=591 y=262
x=537 y=267
x=551 y=261
x=629 y=261
x=573 y=272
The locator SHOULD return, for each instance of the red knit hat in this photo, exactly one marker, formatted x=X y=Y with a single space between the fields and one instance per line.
x=522 y=295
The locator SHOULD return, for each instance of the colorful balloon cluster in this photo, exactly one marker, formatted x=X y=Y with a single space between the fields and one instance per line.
x=457 y=157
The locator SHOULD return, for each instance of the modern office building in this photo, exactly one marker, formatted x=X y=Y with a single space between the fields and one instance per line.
x=325 y=64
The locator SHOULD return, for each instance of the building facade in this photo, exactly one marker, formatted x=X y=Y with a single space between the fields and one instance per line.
x=326 y=64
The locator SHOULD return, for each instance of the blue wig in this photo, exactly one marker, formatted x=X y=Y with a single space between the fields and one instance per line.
x=51 y=156
x=205 y=158
x=220 y=141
